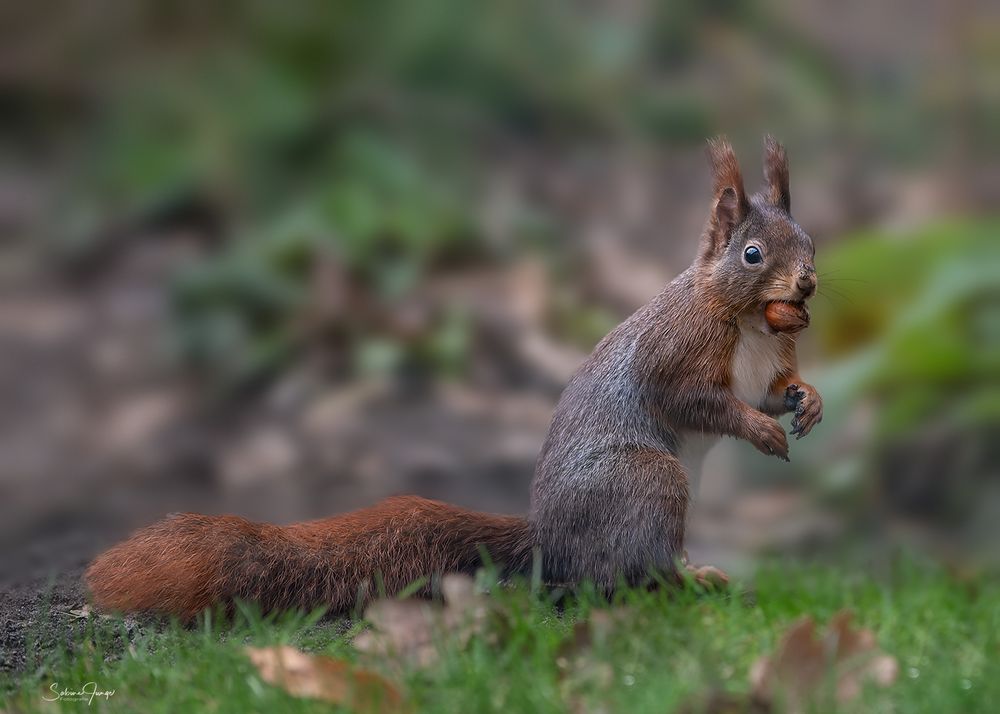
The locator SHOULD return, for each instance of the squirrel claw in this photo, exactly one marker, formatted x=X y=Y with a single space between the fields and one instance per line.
x=793 y=397
x=807 y=407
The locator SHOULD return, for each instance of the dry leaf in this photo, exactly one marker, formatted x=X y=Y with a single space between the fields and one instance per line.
x=326 y=678
x=798 y=672
x=858 y=658
x=411 y=629
x=80 y=613
x=84 y=612
x=400 y=627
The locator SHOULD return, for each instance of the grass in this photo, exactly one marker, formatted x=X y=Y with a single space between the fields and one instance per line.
x=945 y=633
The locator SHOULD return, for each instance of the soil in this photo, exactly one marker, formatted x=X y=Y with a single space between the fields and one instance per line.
x=35 y=618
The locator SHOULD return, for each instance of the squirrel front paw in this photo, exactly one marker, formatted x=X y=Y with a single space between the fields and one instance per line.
x=804 y=400
x=768 y=436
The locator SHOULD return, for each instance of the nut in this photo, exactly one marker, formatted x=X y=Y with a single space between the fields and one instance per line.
x=786 y=316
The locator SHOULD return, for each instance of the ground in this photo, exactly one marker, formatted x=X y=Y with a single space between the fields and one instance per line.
x=656 y=651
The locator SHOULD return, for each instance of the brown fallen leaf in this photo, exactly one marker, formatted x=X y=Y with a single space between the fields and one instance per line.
x=411 y=629
x=326 y=678
x=858 y=658
x=799 y=671
x=84 y=612
x=794 y=671
x=80 y=613
x=805 y=671
x=401 y=628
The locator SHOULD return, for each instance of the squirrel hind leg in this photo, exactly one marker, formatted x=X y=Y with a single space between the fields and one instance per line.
x=595 y=534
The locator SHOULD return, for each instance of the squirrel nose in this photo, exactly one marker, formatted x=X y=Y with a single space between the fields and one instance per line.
x=806 y=282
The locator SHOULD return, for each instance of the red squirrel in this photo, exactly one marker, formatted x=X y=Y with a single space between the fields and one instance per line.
x=612 y=484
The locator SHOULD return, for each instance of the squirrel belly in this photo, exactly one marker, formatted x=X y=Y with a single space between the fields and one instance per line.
x=187 y=562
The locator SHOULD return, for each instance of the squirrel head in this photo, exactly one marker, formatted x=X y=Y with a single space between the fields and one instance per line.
x=752 y=252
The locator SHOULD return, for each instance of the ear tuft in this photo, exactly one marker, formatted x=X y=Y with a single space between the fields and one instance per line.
x=730 y=205
x=776 y=174
x=725 y=167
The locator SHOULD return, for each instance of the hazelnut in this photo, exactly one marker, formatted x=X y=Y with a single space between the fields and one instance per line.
x=786 y=316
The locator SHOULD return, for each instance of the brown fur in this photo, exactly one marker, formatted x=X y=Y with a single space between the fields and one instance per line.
x=730 y=201
x=610 y=494
x=188 y=562
x=776 y=174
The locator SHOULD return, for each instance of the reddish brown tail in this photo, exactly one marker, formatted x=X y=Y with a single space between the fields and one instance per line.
x=188 y=562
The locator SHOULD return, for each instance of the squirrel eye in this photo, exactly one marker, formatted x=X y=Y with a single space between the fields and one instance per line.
x=752 y=255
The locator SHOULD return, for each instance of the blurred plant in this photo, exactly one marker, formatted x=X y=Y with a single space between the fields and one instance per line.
x=359 y=132
x=376 y=217
x=247 y=118
x=916 y=321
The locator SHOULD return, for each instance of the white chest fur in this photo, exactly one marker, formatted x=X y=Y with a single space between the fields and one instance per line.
x=756 y=362
x=693 y=448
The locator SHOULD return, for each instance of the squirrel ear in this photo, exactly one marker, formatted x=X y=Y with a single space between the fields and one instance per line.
x=730 y=205
x=776 y=174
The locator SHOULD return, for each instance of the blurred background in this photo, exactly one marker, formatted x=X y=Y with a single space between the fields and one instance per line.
x=285 y=259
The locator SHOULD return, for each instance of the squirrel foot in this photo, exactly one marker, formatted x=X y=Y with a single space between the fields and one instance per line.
x=709 y=577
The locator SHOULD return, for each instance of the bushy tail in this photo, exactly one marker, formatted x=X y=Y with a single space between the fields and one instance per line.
x=187 y=562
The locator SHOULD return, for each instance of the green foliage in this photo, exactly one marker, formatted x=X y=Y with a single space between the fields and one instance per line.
x=357 y=128
x=912 y=324
x=372 y=209
x=921 y=313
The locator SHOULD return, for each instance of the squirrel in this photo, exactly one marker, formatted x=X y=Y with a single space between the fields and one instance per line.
x=613 y=482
